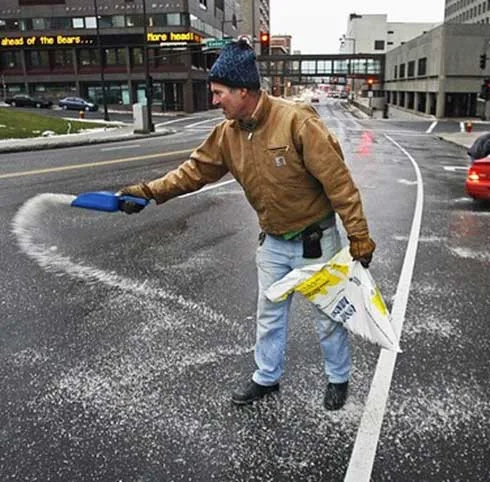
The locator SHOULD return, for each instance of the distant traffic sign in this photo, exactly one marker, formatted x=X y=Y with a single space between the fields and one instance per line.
x=213 y=43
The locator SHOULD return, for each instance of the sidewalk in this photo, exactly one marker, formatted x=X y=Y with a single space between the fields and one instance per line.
x=117 y=133
x=462 y=139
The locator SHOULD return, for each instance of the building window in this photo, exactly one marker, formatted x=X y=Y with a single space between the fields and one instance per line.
x=137 y=56
x=379 y=45
x=411 y=69
x=63 y=58
x=114 y=21
x=390 y=32
x=157 y=20
x=10 y=60
x=60 y=23
x=89 y=57
x=90 y=22
x=402 y=71
x=422 y=67
x=395 y=73
x=37 y=58
x=78 y=22
x=9 y=24
x=39 y=24
x=135 y=21
x=203 y=4
x=115 y=56
x=174 y=19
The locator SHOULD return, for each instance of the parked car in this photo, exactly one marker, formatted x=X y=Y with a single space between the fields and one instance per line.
x=77 y=103
x=23 y=100
x=478 y=179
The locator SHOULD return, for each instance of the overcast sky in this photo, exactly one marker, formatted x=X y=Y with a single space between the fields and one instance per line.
x=317 y=25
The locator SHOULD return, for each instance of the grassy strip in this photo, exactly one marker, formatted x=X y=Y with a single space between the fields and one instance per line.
x=16 y=124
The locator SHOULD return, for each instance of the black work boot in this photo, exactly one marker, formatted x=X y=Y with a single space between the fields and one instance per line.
x=251 y=392
x=335 y=395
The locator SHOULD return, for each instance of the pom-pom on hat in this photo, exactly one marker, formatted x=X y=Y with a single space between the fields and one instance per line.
x=236 y=66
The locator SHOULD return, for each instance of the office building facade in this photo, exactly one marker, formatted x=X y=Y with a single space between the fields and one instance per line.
x=373 y=34
x=467 y=11
x=53 y=48
x=438 y=73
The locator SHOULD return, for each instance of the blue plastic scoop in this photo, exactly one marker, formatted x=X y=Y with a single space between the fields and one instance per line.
x=105 y=201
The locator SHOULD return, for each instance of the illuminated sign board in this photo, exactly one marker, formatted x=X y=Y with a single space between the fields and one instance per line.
x=44 y=41
x=152 y=38
x=173 y=38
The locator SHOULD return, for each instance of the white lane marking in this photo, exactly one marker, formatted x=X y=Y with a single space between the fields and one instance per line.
x=127 y=146
x=455 y=168
x=205 y=121
x=362 y=457
x=173 y=121
x=431 y=127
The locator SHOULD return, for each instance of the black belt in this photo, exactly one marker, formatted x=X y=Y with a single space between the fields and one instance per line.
x=325 y=223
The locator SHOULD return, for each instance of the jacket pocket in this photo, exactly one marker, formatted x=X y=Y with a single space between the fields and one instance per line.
x=283 y=165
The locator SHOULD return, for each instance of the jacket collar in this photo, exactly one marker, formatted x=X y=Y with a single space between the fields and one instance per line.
x=259 y=115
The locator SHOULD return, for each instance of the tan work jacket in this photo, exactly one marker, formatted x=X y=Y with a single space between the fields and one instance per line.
x=290 y=166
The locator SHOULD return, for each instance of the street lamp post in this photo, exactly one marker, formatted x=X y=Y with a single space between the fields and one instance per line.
x=148 y=79
x=102 y=62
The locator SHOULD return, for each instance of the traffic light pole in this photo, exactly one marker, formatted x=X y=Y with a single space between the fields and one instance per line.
x=102 y=62
x=148 y=79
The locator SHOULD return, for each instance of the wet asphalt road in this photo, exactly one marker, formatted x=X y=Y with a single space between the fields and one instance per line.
x=122 y=337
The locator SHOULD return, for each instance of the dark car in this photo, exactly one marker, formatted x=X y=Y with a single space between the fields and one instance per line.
x=23 y=100
x=77 y=103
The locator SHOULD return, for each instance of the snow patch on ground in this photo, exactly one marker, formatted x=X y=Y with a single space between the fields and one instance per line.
x=28 y=357
x=468 y=253
x=423 y=410
x=432 y=326
x=423 y=239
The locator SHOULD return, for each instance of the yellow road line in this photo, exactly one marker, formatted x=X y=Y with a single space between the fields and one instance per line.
x=90 y=164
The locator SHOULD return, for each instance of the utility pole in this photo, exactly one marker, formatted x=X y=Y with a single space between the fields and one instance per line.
x=148 y=79
x=102 y=62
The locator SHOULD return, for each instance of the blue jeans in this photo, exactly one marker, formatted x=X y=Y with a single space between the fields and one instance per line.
x=276 y=258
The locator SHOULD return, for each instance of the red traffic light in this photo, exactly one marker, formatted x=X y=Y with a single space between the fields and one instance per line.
x=264 y=43
x=264 y=37
x=370 y=81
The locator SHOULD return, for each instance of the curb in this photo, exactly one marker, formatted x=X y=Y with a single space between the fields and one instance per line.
x=452 y=141
x=355 y=111
x=80 y=142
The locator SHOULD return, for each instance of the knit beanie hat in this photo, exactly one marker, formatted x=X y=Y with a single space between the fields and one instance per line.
x=236 y=66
